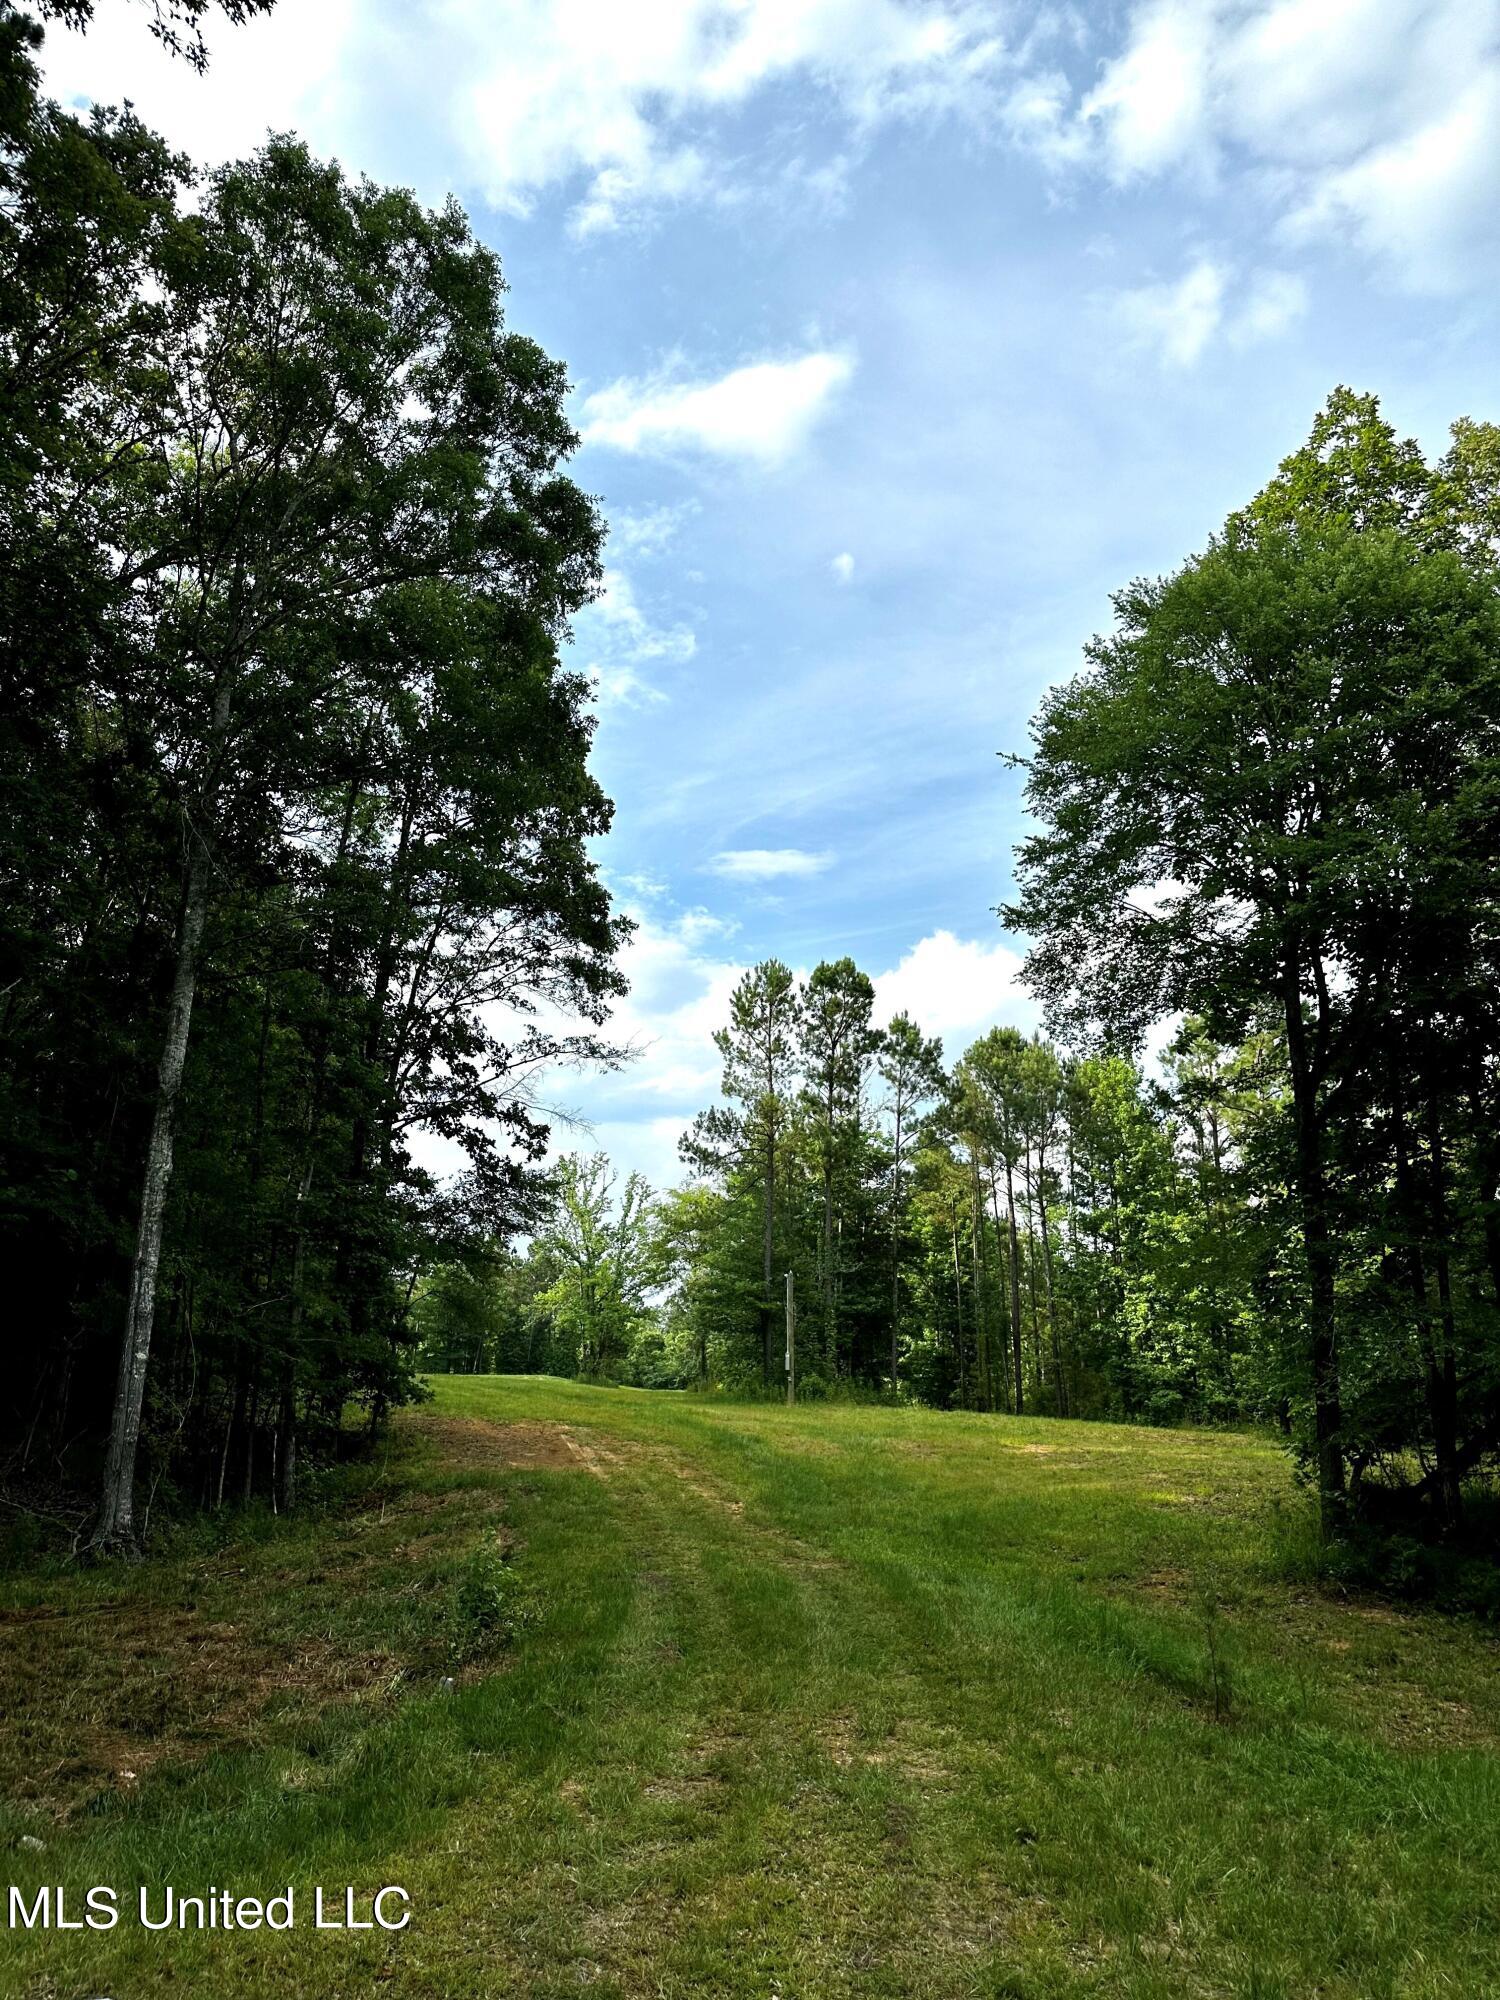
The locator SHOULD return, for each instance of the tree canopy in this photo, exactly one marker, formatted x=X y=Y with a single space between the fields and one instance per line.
x=299 y=862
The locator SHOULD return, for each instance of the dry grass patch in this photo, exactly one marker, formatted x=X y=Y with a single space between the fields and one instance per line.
x=94 y=1701
x=476 y=1444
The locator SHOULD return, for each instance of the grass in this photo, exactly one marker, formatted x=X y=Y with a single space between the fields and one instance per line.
x=758 y=1702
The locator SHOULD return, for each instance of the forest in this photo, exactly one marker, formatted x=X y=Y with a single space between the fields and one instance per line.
x=297 y=796
x=300 y=863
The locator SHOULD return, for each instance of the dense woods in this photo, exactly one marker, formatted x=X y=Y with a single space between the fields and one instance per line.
x=297 y=794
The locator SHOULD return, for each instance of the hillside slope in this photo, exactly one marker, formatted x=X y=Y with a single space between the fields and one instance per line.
x=805 y=1703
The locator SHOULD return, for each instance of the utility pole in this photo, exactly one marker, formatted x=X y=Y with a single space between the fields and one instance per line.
x=791 y=1342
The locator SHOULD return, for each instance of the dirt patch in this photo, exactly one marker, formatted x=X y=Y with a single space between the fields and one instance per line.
x=477 y=1444
x=913 y=1753
x=711 y=1494
x=689 y=1788
x=1173 y=1585
x=593 y=1458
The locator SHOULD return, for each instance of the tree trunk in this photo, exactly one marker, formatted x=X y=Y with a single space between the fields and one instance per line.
x=236 y=1425
x=896 y=1253
x=1052 y=1335
x=284 y=1495
x=115 y=1530
x=767 y=1252
x=1003 y=1359
x=983 y=1390
x=1031 y=1291
x=958 y=1316
x=1322 y=1266
x=830 y=1331
x=1015 y=1288
x=1445 y=1383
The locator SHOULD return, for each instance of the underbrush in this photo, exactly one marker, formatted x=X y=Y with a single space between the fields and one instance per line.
x=1417 y=1572
x=245 y=1628
x=1394 y=1551
x=46 y=1518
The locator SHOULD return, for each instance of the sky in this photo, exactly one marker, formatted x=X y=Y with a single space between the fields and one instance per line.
x=900 y=335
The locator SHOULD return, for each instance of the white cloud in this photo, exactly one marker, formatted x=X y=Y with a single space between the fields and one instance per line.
x=1373 y=121
x=655 y=180
x=516 y=97
x=586 y=86
x=650 y=530
x=767 y=864
x=1151 y=103
x=1177 y=320
x=613 y=638
x=957 y=988
x=616 y=605
x=283 y=71
x=843 y=567
x=1427 y=203
x=1370 y=121
x=763 y=411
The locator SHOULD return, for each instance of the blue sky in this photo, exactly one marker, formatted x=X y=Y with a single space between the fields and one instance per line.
x=901 y=334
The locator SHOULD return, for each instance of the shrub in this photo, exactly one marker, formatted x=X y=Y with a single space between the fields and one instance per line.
x=487 y=1605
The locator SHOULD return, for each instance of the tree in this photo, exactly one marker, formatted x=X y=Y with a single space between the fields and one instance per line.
x=1232 y=813
x=757 y=1048
x=911 y=1067
x=300 y=856
x=602 y=1247
x=357 y=467
x=838 y=1040
x=689 y=1230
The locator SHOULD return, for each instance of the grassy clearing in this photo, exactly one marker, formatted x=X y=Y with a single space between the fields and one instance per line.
x=826 y=1702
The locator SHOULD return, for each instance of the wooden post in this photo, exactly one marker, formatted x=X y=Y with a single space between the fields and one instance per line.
x=791 y=1342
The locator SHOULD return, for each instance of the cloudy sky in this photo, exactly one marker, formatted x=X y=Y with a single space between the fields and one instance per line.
x=900 y=335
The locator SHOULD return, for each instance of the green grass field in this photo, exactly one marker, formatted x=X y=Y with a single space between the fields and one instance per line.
x=793 y=1703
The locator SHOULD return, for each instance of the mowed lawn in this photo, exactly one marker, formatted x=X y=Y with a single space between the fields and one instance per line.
x=798 y=1703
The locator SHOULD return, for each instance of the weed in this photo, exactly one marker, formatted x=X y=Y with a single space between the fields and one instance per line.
x=488 y=1605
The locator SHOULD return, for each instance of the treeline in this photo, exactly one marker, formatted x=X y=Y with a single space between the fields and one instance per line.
x=1020 y=1231
x=297 y=800
x=1272 y=801
x=579 y=1297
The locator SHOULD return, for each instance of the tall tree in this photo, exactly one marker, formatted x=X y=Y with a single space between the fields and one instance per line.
x=911 y=1067
x=758 y=1047
x=838 y=1040
x=1227 y=809
x=995 y=1069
